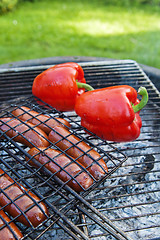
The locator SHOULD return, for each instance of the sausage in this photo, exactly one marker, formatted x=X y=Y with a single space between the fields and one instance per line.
x=79 y=150
x=8 y=233
x=23 y=133
x=45 y=156
x=34 y=213
x=42 y=121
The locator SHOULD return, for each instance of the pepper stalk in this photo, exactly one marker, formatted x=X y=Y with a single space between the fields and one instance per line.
x=85 y=86
x=143 y=92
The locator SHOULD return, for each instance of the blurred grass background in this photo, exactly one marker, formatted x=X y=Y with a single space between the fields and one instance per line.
x=98 y=28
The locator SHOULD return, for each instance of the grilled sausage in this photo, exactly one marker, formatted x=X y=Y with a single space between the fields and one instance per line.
x=23 y=133
x=8 y=233
x=42 y=121
x=53 y=160
x=79 y=150
x=25 y=206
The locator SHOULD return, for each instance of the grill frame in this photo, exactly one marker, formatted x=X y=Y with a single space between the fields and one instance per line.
x=154 y=94
x=12 y=154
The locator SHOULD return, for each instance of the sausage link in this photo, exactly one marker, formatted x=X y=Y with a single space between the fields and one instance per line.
x=42 y=121
x=45 y=156
x=8 y=233
x=34 y=213
x=79 y=150
x=23 y=133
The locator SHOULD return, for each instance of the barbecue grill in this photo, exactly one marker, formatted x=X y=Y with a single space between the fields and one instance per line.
x=125 y=203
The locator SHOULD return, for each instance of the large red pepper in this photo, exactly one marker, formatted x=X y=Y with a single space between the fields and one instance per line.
x=112 y=113
x=57 y=85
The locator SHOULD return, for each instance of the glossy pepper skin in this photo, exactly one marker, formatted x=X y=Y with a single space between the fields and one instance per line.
x=57 y=85
x=110 y=112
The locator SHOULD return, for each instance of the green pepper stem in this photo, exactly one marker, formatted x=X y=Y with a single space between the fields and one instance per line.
x=85 y=86
x=143 y=92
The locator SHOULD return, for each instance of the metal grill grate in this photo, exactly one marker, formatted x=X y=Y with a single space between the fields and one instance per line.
x=129 y=196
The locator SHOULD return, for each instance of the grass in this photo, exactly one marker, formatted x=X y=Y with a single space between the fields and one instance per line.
x=80 y=28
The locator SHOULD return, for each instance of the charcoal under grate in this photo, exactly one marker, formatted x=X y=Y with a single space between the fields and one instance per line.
x=128 y=194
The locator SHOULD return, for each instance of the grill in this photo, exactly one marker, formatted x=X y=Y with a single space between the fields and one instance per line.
x=125 y=203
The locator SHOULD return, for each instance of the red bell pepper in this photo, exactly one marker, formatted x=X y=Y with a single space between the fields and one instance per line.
x=112 y=113
x=57 y=85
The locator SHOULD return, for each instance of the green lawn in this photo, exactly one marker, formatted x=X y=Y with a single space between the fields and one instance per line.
x=80 y=28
